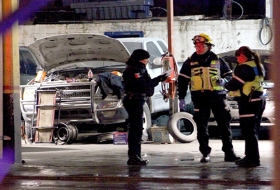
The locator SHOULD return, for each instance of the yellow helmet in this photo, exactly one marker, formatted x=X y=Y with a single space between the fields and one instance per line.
x=203 y=38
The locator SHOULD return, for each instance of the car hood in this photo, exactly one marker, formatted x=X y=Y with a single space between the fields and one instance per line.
x=63 y=50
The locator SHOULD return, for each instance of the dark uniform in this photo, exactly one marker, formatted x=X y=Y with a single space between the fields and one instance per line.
x=138 y=86
x=200 y=73
x=246 y=86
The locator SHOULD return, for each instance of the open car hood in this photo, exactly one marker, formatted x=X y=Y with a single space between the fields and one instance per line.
x=63 y=50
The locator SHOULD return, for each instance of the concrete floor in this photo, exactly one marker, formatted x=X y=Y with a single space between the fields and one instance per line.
x=88 y=165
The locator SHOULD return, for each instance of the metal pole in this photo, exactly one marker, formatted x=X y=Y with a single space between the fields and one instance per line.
x=172 y=86
x=11 y=129
x=1 y=90
x=276 y=78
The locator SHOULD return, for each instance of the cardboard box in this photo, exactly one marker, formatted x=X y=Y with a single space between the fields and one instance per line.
x=160 y=134
x=120 y=138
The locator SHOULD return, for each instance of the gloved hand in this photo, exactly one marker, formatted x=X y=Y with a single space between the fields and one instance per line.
x=163 y=77
x=182 y=104
x=221 y=82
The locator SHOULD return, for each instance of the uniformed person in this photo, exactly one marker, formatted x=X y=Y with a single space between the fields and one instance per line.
x=199 y=73
x=138 y=86
x=246 y=87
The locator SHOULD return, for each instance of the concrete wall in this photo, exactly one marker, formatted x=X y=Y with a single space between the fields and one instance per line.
x=226 y=35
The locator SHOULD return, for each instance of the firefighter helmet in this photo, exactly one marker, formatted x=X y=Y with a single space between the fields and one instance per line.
x=202 y=38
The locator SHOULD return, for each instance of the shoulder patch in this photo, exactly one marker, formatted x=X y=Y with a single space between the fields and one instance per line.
x=137 y=75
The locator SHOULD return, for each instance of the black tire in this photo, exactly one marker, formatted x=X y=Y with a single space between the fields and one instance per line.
x=147 y=122
x=182 y=127
x=64 y=133
x=75 y=131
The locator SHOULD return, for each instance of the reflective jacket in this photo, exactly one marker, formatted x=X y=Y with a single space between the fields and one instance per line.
x=200 y=73
x=205 y=78
x=248 y=86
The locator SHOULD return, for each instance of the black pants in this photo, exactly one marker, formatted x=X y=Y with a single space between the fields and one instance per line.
x=203 y=104
x=134 y=108
x=250 y=119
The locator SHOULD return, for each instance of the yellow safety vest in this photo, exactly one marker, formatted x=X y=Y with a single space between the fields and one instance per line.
x=204 y=78
x=255 y=85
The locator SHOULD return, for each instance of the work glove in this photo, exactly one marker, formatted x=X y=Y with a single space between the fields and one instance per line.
x=163 y=77
x=221 y=82
x=182 y=104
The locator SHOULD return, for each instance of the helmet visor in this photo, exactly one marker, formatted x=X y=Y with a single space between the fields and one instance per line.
x=199 y=39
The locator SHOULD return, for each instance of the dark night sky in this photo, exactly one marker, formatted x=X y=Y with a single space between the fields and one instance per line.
x=212 y=7
x=193 y=7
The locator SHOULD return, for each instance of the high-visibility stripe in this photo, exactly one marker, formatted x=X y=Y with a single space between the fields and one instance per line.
x=227 y=73
x=239 y=79
x=184 y=75
x=255 y=99
x=196 y=110
x=247 y=115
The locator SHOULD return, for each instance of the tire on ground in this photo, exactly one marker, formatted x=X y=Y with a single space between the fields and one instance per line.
x=179 y=121
x=147 y=122
x=75 y=132
x=66 y=133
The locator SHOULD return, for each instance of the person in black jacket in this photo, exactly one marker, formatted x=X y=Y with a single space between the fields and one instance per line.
x=138 y=85
x=200 y=74
x=246 y=87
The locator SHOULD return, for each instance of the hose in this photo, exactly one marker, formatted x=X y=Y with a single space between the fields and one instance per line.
x=160 y=9
x=169 y=93
x=265 y=23
x=226 y=5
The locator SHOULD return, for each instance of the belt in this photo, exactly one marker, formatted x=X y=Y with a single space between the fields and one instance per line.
x=135 y=95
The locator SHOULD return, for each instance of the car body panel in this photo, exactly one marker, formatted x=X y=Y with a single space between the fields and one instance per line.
x=61 y=50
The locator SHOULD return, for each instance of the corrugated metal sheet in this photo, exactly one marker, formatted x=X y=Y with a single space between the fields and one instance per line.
x=118 y=9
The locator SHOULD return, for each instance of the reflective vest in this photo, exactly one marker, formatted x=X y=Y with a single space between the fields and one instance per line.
x=204 y=78
x=249 y=86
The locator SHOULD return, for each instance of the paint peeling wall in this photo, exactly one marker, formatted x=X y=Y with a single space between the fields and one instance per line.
x=226 y=35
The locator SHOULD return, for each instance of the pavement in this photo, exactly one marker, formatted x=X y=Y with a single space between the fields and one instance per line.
x=89 y=165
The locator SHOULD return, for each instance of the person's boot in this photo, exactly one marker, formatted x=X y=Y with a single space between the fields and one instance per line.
x=247 y=163
x=136 y=160
x=231 y=157
x=205 y=158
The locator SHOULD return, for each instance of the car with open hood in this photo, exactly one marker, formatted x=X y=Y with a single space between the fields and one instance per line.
x=80 y=85
x=77 y=71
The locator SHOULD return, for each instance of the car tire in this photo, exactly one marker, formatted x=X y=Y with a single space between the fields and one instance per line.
x=66 y=133
x=75 y=132
x=190 y=133
x=147 y=122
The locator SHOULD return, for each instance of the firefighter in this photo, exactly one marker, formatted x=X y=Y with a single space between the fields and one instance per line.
x=138 y=86
x=199 y=74
x=246 y=87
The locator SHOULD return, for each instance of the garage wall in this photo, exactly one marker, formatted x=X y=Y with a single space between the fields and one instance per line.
x=226 y=35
